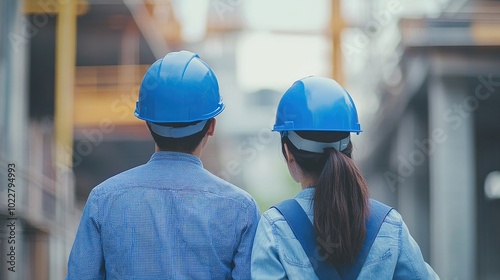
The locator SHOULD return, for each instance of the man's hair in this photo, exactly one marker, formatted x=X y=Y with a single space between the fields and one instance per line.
x=185 y=144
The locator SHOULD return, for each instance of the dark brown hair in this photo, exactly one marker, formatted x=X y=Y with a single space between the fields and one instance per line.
x=340 y=197
x=185 y=144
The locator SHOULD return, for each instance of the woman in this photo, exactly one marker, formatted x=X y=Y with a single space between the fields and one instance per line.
x=352 y=236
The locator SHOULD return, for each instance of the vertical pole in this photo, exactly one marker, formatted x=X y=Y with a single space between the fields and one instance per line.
x=336 y=30
x=63 y=120
x=65 y=77
x=14 y=123
x=452 y=181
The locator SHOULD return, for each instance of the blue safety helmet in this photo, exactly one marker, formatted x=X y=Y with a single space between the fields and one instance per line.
x=178 y=88
x=316 y=104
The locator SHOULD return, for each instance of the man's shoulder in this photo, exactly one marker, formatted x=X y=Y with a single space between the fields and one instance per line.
x=121 y=179
x=233 y=192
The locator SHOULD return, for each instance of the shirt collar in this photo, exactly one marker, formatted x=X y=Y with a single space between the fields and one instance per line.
x=307 y=193
x=175 y=156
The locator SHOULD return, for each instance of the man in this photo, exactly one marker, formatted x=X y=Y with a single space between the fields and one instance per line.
x=169 y=218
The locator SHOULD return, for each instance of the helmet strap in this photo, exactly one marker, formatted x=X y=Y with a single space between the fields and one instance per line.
x=177 y=132
x=314 y=146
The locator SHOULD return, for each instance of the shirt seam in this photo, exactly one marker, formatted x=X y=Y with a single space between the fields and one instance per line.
x=272 y=221
x=415 y=270
x=245 y=201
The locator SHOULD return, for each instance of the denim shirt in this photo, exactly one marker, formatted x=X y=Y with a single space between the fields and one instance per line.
x=167 y=219
x=277 y=254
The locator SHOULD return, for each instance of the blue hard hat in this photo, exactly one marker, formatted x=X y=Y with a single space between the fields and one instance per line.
x=179 y=87
x=316 y=104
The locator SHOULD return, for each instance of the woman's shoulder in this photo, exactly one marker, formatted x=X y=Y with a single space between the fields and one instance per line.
x=272 y=216
x=273 y=221
x=394 y=218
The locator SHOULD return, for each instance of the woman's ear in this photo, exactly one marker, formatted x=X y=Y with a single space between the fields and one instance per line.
x=292 y=165
x=289 y=157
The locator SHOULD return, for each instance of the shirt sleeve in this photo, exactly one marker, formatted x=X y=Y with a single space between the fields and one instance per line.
x=241 y=260
x=410 y=260
x=266 y=263
x=86 y=259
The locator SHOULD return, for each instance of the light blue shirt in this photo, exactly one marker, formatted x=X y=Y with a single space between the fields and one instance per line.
x=277 y=254
x=167 y=219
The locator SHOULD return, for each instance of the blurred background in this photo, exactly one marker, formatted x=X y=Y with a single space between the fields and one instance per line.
x=425 y=76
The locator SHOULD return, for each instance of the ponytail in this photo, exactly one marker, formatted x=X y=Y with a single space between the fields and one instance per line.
x=340 y=209
x=340 y=198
